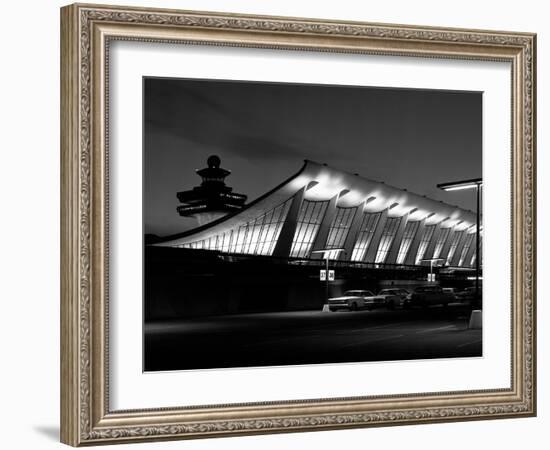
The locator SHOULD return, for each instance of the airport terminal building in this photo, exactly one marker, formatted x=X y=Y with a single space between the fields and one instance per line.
x=322 y=208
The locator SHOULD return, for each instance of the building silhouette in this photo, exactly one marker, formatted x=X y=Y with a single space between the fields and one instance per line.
x=213 y=198
x=320 y=208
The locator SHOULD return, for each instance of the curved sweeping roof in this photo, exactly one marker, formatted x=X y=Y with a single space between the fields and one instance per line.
x=323 y=183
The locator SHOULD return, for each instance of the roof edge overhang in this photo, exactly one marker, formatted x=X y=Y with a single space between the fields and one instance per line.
x=223 y=219
x=324 y=182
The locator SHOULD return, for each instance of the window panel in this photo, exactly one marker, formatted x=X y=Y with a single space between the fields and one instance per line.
x=364 y=237
x=441 y=239
x=454 y=244
x=255 y=237
x=340 y=227
x=424 y=242
x=408 y=236
x=390 y=230
x=269 y=228
x=467 y=245
x=474 y=255
x=309 y=221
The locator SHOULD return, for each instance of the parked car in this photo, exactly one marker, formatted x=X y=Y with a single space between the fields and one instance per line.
x=425 y=296
x=393 y=297
x=450 y=290
x=468 y=295
x=355 y=300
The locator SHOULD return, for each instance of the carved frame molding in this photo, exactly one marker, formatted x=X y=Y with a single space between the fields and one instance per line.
x=86 y=33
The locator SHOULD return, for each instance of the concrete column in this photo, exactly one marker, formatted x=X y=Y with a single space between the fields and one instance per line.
x=410 y=259
x=284 y=242
x=456 y=256
x=396 y=243
x=375 y=241
x=353 y=233
x=322 y=235
x=471 y=252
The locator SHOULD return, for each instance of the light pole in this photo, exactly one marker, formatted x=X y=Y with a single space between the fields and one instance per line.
x=326 y=254
x=476 y=184
x=431 y=261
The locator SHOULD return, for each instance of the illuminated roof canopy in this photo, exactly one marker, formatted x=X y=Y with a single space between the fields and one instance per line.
x=321 y=207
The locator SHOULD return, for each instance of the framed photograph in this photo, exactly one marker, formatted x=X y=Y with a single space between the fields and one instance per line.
x=273 y=224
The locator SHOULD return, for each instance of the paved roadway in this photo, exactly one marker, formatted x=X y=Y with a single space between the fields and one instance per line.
x=310 y=337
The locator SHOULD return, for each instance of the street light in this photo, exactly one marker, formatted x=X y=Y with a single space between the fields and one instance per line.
x=326 y=254
x=476 y=184
x=431 y=261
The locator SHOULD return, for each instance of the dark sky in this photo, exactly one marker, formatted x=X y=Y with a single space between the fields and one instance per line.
x=262 y=132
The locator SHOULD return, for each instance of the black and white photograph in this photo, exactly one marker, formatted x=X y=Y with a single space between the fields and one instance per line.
x=239 y=225
x=289 y=224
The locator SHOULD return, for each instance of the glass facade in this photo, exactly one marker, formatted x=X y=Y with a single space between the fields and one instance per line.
x=466 y=248
x=339 y=229
x=408 y=236
x=441 y=239
x=474 y=255
x=454 y=244
x=257 y=237
x=309 y=221
x=424 y=242
x=388 y=235
x=366 y=231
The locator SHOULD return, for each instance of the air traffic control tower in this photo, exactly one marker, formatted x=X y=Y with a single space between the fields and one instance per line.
x=213 y=198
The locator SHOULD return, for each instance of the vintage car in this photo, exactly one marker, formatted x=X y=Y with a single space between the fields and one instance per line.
x=425 y=296
x=355 y=300
x=394 y=297
x=451 y=291
x=469 y=296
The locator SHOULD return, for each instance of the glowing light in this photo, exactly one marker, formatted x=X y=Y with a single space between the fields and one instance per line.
x=351 y=198
x=460 y=188
x=461 y=185
x=329 y=253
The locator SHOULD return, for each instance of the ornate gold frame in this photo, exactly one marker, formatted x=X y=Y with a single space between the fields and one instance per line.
x=86 y=31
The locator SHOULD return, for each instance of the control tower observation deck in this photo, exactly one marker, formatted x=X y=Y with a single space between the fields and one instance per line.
x=213 y=198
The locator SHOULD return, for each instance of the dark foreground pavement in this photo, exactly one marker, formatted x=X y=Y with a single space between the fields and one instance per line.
x=310 y=337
